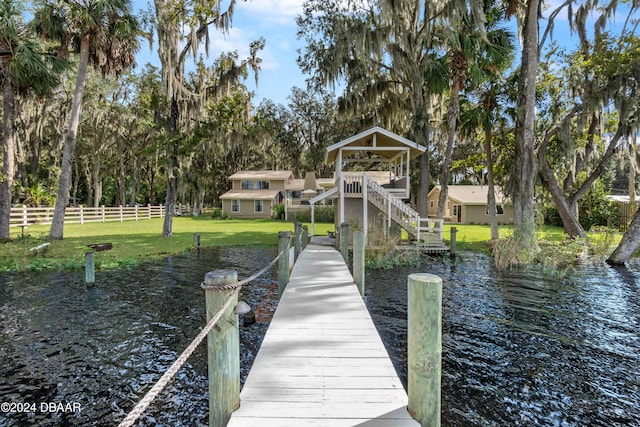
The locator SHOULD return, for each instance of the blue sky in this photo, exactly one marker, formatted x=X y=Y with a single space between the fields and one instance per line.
x=274 y=20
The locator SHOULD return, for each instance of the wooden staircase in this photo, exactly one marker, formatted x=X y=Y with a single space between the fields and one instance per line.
x=424 y=231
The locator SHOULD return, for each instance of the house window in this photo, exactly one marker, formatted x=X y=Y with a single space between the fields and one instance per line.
x=247 y=184
x=431 y=204
x=455 y=210
x=296 y=194
x=258 y=206
x=262 y=185
x=499 y=210
x=235 y=206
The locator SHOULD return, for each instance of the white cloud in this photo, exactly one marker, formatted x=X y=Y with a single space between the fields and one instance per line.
x=269 y=12
x=238 y=39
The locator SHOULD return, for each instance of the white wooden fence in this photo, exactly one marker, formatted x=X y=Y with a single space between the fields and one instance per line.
x=24 y=216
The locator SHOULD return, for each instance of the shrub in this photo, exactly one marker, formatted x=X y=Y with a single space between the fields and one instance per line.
x=322 y=214
x=278 y=212
x=551 y=216
x=217 y=213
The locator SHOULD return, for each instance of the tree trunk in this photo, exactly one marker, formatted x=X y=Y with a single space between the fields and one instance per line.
x=632 y=178
x=36 y=139
x=491 y=194
x=448 y=155
x=76 y=183
x=172 y=172
x=62 y=198
x=134 y=182
x=21 y=162
x=169 y=205
x=96 y=182
x=421 y=136
x=122 y=181
x=629 y=243
x=525 y=170
x=570 y=221
x=88 y=181
x=8 y=148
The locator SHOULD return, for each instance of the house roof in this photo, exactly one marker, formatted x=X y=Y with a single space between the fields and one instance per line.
x=250 y=194
x=385 y=142
x=295 y=185
x=263 y=174
x=299 y=184
x=471 y=194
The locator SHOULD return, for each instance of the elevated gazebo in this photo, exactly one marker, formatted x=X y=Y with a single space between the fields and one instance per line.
x=363 y=195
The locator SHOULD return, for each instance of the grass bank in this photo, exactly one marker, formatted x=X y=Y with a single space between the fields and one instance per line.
x=135 y=242
x=477 y=237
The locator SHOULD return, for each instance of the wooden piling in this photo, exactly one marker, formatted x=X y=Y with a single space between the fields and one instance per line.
x=196 y=240
x=223 y=344
x=358 y=260
x=297 y=240
x=305 y=237
x=452 y=242
x=284 y=241
x=424 y=347
x=344 y=241
x=89 y=267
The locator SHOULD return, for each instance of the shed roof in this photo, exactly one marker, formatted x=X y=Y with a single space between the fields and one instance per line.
x=472 y=194
x=384 y=140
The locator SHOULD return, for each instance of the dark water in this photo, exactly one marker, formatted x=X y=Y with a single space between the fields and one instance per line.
x=104 y=347
x=520 y=349
x=525 y=348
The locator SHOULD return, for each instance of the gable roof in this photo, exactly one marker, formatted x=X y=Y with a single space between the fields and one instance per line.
x=471 y=194
x=263 y=174
x=383 y=138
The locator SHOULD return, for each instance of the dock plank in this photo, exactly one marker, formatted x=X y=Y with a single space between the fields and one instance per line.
x=322 y=361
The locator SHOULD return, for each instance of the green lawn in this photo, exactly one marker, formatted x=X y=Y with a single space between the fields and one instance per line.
x=476 y=237
x=136 y=241
x=139 y=241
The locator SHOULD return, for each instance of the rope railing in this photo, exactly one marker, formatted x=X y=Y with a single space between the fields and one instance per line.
x=245 y=281
x=174 y=368
x=144 y=403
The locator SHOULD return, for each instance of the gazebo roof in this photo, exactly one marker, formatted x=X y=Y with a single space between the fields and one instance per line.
x=387 y=145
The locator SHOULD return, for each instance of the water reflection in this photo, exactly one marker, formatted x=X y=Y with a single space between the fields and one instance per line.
x=524 y=348
x=104 y=346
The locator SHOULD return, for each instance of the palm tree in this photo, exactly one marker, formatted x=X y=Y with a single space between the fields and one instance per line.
x=24 y=69
x=474 y=56
x=485 y=115
x=385 y=50
x=105 y=34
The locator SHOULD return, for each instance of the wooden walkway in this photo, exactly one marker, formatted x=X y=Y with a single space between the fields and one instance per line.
x=322 y=362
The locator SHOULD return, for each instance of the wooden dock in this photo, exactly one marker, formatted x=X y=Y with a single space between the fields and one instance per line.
x=322 y=362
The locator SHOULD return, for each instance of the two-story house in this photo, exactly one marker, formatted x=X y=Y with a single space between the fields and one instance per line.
x=254 y=193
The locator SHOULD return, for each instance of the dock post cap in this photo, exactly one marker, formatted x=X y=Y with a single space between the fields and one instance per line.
x=425 y=277
x=220 y=277
x=284 y=234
